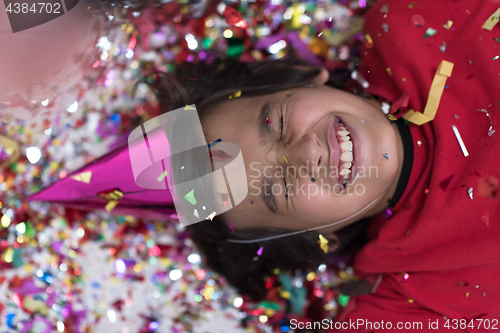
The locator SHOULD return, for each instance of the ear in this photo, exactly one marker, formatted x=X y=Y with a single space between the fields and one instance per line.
x=321 y=78
x=333 y=241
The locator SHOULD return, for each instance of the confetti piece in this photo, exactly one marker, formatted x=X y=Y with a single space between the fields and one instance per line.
x=214 y=143
x=251 y=202
x=190 y=197
x=435 y=92
x=467 y=294
x=360 y=79
x=401 y=102
x=476 y=173
x=235 y=95
x=188 y=107
x=323 y=243
x=343 y=300
x=486 y=219
x=162 y=176
x=496 y=39
x=429 y=32
x=267 y=121
x=406 y=276
x=460 y=141
x=284 y=157
x=111 y=205
x=12 y=149
x=313 y=180
x=387 y=213
x=84 y=177
x=386 y=156
x=385 y=9
x=419 y=143
x=492 y=20
x=385 y=27
x=443 y=49
x=114 y=194
x=469 y=191
x=391 y=117
x=418 y=20
x=35 y=306
x=181 y=168
x=385 y=107
x=320 y=34
x=231 y=225
x=496 y=57
x=448 y=25
x=211 y=216
x=389 y=71
x=195 y=213
x=259 y=251
x=224 y=198
x=411 y=301
x=411 y=5
x=444 y=184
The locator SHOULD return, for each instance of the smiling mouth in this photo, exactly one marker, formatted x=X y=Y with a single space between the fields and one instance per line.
x=345 y=150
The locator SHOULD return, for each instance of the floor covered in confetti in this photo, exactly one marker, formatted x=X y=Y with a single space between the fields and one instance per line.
x=65 y=271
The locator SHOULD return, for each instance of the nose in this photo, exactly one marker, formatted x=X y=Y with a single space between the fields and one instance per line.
x=309 y=152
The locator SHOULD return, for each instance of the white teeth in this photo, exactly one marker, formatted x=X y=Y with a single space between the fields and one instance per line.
x=343 y=133
x=344 y=172
x=346 y=146
x=346 y=156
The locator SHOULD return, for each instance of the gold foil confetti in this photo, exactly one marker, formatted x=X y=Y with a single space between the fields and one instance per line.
x=235 y=95
x=435 y=92
x=492 y=20
x=112 y=195
x=12 y=148
x=323 y=243
x=84 y=177
x=111 y=205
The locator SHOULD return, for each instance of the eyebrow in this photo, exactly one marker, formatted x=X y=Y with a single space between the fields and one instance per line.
x=264 y=132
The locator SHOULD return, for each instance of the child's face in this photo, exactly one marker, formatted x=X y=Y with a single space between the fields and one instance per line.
x=314 y=146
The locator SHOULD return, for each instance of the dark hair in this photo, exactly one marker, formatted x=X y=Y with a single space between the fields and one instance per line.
x=206 y=84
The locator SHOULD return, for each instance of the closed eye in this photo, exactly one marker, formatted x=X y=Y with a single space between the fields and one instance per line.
x=281 y=125
x=281 y=139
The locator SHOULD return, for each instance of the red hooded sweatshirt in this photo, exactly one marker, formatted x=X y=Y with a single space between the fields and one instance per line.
x=438 y=256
